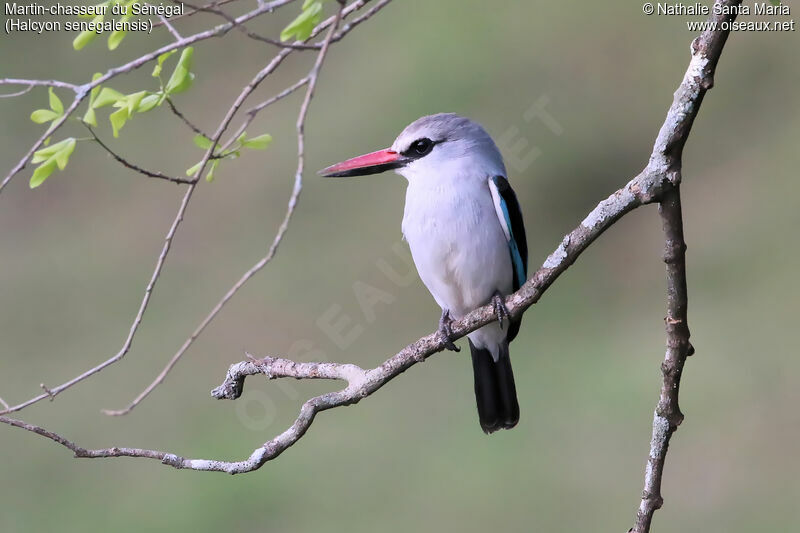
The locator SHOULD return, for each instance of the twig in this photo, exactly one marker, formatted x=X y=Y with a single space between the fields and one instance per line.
x=667 y=153
x=195 y=11
x=346 y=29
x=260 y=76
x=240 y=27
x=297 y=45
x=83 y=90
x=54 y=126
x=137 y=168
x=668 y=416
x=18 y=93
x=185 y=120
x=170 y=27
x=47 y=391
x=311 y=79
x=40 y=83
x=253 y=111
x=126 y=346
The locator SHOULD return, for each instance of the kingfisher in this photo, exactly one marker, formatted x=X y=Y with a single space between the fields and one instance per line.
x=464 y=226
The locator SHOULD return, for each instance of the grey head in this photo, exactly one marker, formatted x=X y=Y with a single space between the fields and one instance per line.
x=433 y=146
x=435 y=143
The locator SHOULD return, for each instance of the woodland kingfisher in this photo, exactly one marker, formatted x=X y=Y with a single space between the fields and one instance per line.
x=464 y=226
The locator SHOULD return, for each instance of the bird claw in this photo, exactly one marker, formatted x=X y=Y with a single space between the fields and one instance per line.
x=446 y=332
x=500 y=308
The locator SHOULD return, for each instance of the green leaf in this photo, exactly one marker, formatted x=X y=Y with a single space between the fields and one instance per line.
x=132 y=101
x=118 y=119
x=40 y=116
x=258 y=143
x=106 y=97
x=115 y=38
x=50 y=151
x=42 y=172
x=93 y=94
x=83 y=38
x=163 y=57
x=303 y=25
x=89 y=117
x=52 y=157
x=55 y=102
x=149 y=102
x=210 y=175
x=194 y=169
x=62 y=156
x=181 y=77
x=201 y=141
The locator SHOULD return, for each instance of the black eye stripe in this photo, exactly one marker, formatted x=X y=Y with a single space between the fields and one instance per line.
x=420 y=148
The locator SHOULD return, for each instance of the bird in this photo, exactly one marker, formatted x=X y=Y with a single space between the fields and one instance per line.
x=464 y=226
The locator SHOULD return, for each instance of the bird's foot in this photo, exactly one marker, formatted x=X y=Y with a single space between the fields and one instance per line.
x=446 y=332
x=500 y=308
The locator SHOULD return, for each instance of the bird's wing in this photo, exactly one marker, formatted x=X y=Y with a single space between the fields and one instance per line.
x=510 y=215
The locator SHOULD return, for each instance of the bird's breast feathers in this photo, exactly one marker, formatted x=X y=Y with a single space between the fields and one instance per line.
x=457 y=242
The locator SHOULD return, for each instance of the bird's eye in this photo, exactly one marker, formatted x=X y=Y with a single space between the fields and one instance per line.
x=421 y=147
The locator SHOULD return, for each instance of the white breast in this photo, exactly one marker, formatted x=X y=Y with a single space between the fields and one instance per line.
x=457 y=242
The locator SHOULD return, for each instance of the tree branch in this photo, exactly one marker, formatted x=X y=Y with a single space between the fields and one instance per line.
x=185 y=120
x=124 y=162
x=668 y=416
x=83 y=90
x=311 y=80
x=659 y=182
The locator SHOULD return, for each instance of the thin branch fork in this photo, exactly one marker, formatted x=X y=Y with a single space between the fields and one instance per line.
x=192 y=183
x=311 y=82
x=124 y=162
x=82 y=91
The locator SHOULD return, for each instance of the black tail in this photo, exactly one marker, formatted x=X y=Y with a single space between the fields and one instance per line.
x=494 y=389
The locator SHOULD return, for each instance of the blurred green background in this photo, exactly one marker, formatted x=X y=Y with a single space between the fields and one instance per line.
x=77 y=252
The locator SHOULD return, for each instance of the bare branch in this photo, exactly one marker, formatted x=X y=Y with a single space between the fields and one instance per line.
x=140 y=170
x=40 y=83
x=170 y=27
x=18 y=93
x=126 y=346
x=185 y=120
x=332 y=22
x=668 y=416
x=54 y=126
x=253 y=111
x=196 y=11
x=311 y=80
x=83 y=90
x=297 y=45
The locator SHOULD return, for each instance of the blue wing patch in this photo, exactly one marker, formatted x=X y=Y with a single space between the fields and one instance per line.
x=508 y=211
